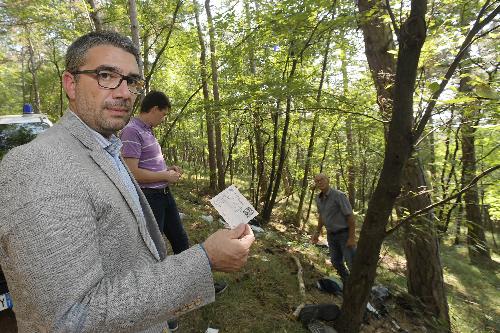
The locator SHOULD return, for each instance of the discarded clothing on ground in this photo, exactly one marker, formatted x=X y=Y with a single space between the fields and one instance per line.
x=330 y=285
x=378 y=296
x=326 y=312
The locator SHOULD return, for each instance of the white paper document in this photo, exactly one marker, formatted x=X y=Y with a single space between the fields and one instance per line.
x=233 y=207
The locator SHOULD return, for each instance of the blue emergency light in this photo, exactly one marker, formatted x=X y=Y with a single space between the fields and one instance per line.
x=27 y=108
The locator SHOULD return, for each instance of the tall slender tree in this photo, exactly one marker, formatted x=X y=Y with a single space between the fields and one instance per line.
x=95 y=15
x=476 y=240
x=212 y=164
x=219 y=154
x=312 y=136
x=134 y=30
x=424 y=270
x=33 y=69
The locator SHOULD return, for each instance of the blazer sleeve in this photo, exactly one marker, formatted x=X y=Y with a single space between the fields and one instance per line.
x=52 y=257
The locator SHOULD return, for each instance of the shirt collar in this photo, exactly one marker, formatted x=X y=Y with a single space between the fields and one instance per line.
x=111 y=145
x=141 y=124
x=325 y=195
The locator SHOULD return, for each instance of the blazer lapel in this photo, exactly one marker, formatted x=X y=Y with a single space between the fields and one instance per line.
x=99 y=155
x=150 y=222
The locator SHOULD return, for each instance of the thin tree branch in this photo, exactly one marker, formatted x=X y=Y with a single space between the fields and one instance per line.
x=177 y=117
x=343 y=111
x=231 y=148
x=422 y=138
x=167 y=39
x=478 y=25
x=426 y=209
x=393 y=19
x=488 y=153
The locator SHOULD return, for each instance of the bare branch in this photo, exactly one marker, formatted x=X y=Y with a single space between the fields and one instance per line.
x=343 y=111
x=428 y=208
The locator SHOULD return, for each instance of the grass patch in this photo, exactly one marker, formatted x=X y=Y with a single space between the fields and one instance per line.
x=473 y=292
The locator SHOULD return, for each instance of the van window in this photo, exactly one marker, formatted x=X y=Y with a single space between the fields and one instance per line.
x=12 y=135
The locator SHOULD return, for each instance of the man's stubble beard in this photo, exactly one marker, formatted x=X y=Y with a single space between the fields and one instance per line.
x=95 y=115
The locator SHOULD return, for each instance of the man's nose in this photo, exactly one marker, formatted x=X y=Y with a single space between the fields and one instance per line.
x=122 y=90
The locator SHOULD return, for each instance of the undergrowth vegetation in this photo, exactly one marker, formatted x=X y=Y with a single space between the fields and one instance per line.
x=264 y=294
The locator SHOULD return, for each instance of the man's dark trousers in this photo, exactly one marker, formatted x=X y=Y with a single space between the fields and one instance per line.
x=340 y=252
x=164 y=208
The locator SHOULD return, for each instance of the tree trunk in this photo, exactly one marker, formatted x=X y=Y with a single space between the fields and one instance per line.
x=95 y=15
x=266 y=208
x=378 y=41
x=350 y=148
x=424 y=270
x=212 y=164
x=253 y=165
x=134 y=30
x=398 y=150
x=424 y=277
x=310 y=148
x=458 y=224
x=445 y=180
x=33 y=68
x=262 y=182
x=219 y=155
x=295 y=54
x=59 y=75
x=233 y=141
x=476 y=240
x=145 y=53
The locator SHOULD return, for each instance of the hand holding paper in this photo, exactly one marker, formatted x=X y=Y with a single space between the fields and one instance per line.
x=228 y=250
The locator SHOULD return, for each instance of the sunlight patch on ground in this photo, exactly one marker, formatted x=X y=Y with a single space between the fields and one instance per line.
x=451 y=279
x=278 y=226
x=393 y=262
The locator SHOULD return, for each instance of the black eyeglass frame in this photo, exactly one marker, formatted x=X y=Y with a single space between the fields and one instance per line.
x=129 y=79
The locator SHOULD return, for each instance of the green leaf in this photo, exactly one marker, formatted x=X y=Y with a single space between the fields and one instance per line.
x=434 y=86
x=460 y=100
x=485 y=91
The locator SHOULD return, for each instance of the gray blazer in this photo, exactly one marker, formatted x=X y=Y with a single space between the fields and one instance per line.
x=72 y=247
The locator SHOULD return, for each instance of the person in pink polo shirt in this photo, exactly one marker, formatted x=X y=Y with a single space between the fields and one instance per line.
x=143 y=155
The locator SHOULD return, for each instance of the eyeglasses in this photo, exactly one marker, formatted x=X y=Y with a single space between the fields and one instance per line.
x=109 y=79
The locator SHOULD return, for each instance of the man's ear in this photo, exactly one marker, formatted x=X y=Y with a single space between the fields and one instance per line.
x=69 y=85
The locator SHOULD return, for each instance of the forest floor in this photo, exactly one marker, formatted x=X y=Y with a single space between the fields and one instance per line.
x=264 y=294
x=262 y=297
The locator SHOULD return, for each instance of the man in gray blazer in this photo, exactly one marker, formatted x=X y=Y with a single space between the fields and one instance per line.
x=79 y=245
